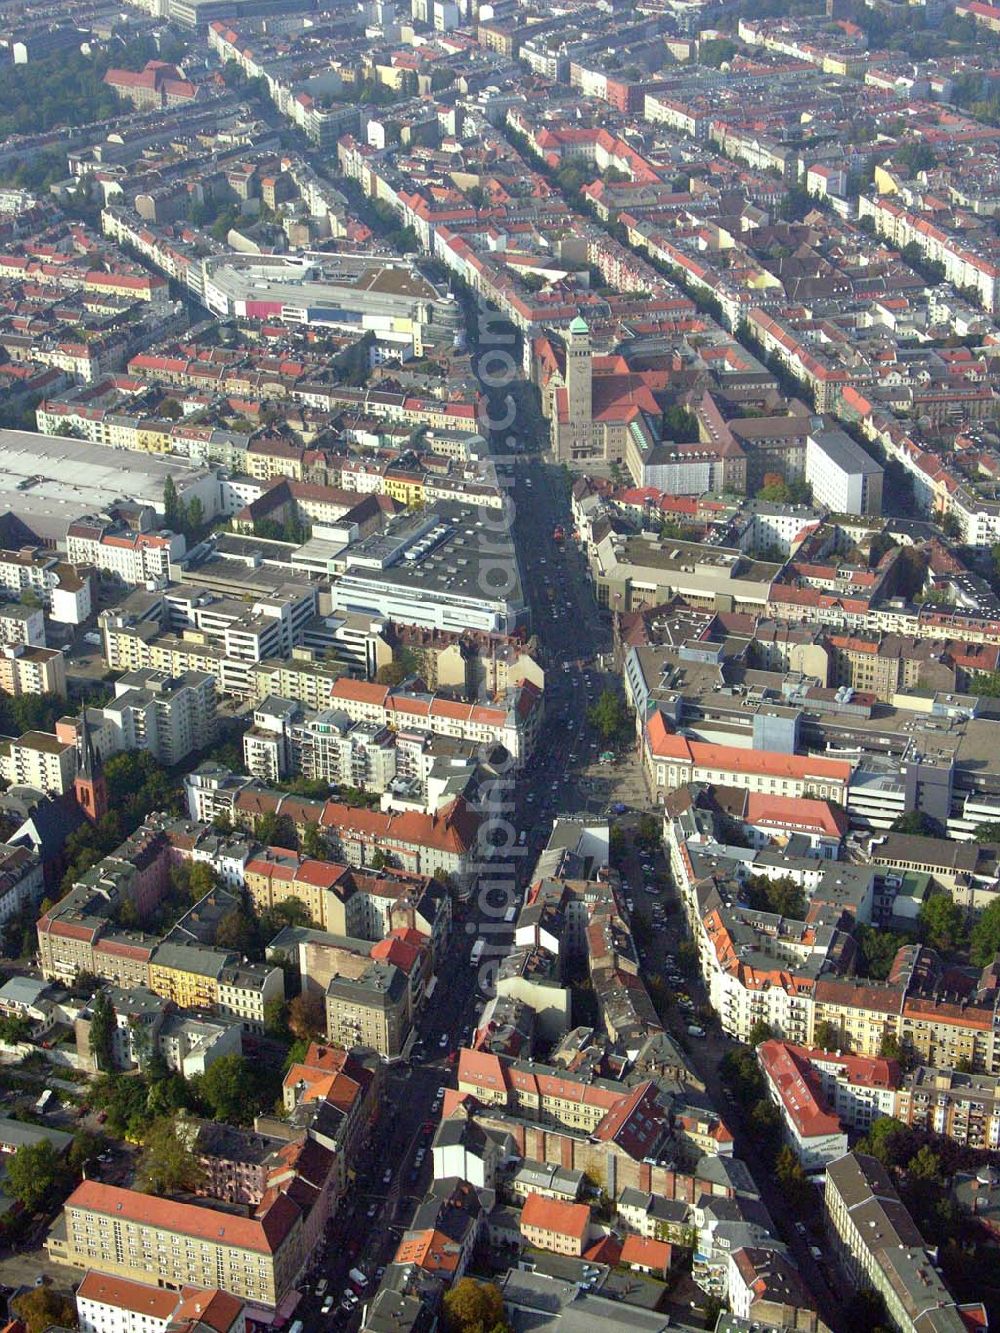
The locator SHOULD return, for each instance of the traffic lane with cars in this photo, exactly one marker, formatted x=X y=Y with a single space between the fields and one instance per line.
x=705 y=1053
x=571 y=632
x=396 y=1170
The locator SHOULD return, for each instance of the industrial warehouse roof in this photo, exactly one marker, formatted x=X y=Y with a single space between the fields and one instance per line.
x=50 y=481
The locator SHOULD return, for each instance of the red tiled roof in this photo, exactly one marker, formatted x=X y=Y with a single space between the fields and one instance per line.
x=264 y=1235
x=564 y=1219
x=793 y=1082
x=665 y=744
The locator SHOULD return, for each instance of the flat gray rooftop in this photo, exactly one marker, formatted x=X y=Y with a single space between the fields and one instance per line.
x=49 y=481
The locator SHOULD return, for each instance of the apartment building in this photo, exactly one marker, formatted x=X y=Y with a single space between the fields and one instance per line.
x=512 y=722
x=22 y=879
x=135 y=558
x=41 y=760
x=245 y=991
x=671 y=760
x=123 y=1233
x=64 y=593
x=188 y=974
x=30 y=670
x=809 y=1126
x=843 y=477
x=553 y=1224
x=368 y=1004
x=879 y=1246
x=963 y=1107
x=443 y=843
x=356 y=643
x=326 y=889
x=857 y=1088
x=106 y=1304
x=192 y=630
x=20 y=624
x=326 y=746
x=170 y=716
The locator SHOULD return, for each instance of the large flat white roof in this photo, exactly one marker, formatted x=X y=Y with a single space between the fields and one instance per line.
x=48 y=481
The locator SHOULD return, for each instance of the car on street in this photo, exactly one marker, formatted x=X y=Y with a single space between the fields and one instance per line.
x=327 y=1305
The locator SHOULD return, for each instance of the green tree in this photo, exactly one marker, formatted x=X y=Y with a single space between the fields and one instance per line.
x=881 y=543
x=915 y=157
x=172 y=516
x=865 y=1313
x=295 y=1055
x=790 y=1175
x=826 y=1036
x=760 y=1032
x=889 y=1047
x=125 y=1099
x=14 y=1030
x=925 y=1164
x=168 y=1093
x=314 y=844
x=194 y=517
x=774 y=492
x=987 y=832
x=41 y=1308
x=229 y=1090
x=711 y=1308
x=236 y=930
x=781 y=896
x=741 y=1074
x=919 y=824
x=795 y=204
x=716 y=52
x=377 y=860
x=84 y=1148
x=473 y=1307
x=647 y=833
x=607 y=716
x=617 y=845
x=166 y=1164
x=878 y=949
x=765 y=1124
x=986 y=684
x=307 y=1016
x=887 y=1140
x=679 y=425
x=102 y=1030
x=276 y=1018
x=986 y=936
x=31 y=1172
x=942 y=922
x=391 y=673
x=202 y=879
x=275 y=830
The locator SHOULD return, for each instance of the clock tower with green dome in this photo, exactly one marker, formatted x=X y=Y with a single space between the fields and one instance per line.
x=579 y=374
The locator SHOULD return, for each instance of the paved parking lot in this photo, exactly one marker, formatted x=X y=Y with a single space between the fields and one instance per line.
x=21 y=1270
